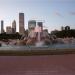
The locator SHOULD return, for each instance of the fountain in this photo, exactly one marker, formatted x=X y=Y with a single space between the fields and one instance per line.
x=36 y=37
x=38 y=42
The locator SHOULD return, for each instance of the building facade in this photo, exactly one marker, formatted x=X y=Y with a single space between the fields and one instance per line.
x=14 y=27
x=40 y=24
x=21 y=23
x=2 y=26
x=31 y=25
x=67 y=28
x=8 y=30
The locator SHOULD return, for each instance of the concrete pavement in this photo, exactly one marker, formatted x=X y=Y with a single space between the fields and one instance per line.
x=38 y=65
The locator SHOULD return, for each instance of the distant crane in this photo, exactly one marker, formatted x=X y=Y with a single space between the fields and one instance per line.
x=40 y=21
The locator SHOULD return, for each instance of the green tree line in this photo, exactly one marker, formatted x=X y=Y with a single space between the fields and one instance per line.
x=10 y=36
x=65 y=33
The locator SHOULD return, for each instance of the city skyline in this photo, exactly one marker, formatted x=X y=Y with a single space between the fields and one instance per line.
x=54 y=13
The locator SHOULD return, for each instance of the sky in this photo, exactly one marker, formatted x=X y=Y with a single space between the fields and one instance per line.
x=53 y=13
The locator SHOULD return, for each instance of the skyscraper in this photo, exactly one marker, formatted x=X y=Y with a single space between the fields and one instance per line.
x=2 y=25
x=31 y=25
x=40 y=24
x=14 y=27
x=8 y=30
x=21 y=23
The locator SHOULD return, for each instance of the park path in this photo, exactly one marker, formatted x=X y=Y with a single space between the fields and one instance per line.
x=38 y=65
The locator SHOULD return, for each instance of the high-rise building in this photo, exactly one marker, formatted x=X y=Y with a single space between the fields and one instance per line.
x=31 y=25
x=62 y=28
x=67 y=28
x=40 y=24
x=8 y=30
x=21 y=23
x=2 y=26
x=14 y=27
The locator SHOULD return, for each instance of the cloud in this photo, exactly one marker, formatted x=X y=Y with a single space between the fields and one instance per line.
x=72 y=13
x=57 y=14
x=64 y=0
